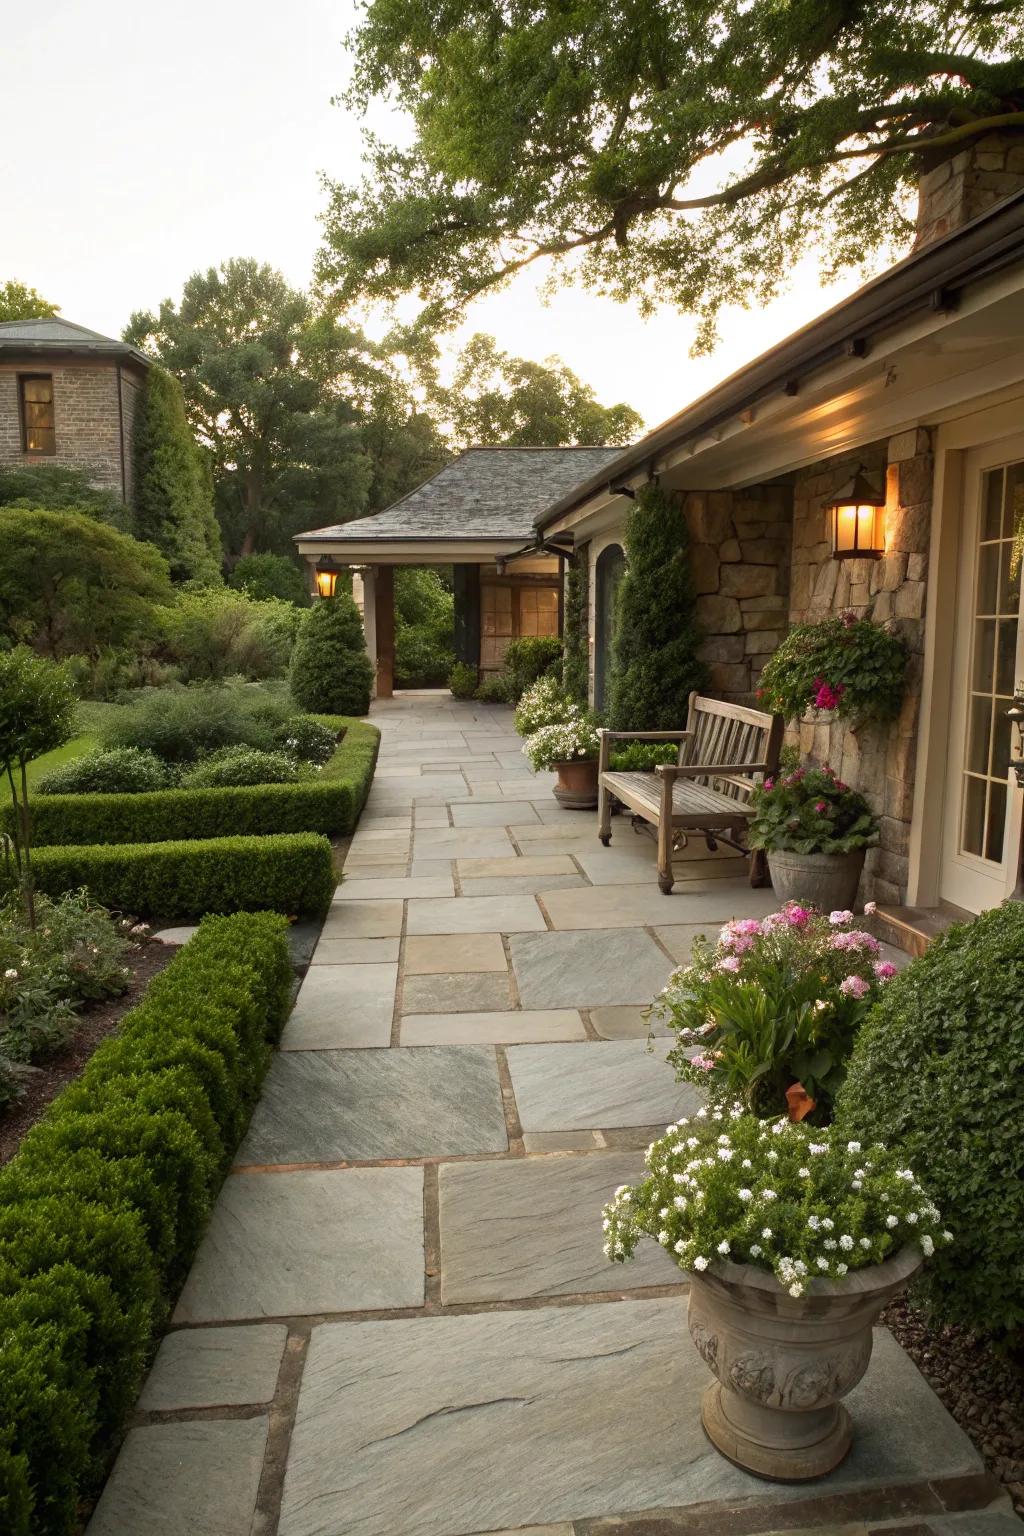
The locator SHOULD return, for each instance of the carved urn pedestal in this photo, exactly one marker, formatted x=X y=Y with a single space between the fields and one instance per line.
x=782 y=1363
x=577 y=784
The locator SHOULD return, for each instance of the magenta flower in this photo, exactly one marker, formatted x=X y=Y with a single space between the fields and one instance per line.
x=820 y=807
x=797 y=917
x=702 y=1063
x=884 y=969
x=769 y=784
x=854 y=986
x=827 y=696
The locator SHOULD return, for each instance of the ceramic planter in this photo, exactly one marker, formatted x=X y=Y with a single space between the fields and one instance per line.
x=827 y=881
x=577 y=784
x=782 y=1363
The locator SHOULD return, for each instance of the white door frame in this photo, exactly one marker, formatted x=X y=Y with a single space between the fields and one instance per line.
x=953 y=440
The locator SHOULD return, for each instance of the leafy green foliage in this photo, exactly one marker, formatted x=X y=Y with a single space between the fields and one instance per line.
x=120 y=771
x=543 y=703
x=263 y=576
x=116 y=670
x=795 y=1200
x=20 y=302
x=938 y=1072
x=576 y=632
x=62 y=489
x=102 y=1207
x=851 y=666
x=572 y=739
x=172 y=493
x=330 y=671
x=685 y=155
x=215 y=632
x=287 y=872
x=463 y=680
x=308 y=739
x=494 y=688
x=642 y=756
x=530 y=658
x=330 y=804
x=239 y=766
x=70 y=584
x=183 y=724
x=773 y=1003
x=654 y=657
x=809 y=810
x=424 y=628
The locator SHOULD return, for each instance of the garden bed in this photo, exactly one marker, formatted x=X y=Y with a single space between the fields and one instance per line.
x=45 y=1081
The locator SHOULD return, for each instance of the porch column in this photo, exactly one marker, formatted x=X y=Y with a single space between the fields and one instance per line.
x=384 y=612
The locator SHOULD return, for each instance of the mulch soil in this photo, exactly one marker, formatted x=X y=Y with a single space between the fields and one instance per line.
x=44 y=1082
x=982 y=1389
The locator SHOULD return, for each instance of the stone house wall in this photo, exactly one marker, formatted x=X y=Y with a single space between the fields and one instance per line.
x=93 y=425
x=740 y=546
x=968 y=184
x=879 y=761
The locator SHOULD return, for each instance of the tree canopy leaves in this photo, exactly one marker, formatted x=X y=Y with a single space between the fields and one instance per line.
x=20 y=302
x=679 y=150
x=172 y=495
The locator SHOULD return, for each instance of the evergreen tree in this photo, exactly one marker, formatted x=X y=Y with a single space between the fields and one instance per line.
x=575 y=657
x=172 y=498
x=654 y=655
x=331 y=674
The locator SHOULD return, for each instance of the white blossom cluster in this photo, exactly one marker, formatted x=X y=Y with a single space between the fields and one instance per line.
x=570 y=740
x=800 y=1201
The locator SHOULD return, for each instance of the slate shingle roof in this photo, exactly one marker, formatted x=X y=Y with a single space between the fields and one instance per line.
x=486 y=493
x=59 y=335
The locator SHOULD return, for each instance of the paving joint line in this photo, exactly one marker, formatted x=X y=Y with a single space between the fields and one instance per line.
x=267 y=1514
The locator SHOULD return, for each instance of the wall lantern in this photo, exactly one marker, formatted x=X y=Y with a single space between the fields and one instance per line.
x=858 y=521
x=326 y=576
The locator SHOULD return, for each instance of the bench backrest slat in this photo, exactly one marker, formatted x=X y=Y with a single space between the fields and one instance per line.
x=730 y=734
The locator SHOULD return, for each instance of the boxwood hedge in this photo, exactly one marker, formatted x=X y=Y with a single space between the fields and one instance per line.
x=291 y=872
x=938 y=1069
x=331 y=804
x=103 y=1206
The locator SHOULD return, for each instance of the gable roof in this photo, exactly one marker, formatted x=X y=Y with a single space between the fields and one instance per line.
x=55 y=335
x=485 y=493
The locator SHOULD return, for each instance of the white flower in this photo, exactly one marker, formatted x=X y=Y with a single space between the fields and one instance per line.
x=796 y=1289
x=664 y=1213
x=606 y=1224
x=841 y=1269
x=827 y=1223
x=680 y=1246
x=817 y=1148
x=912 y=1218
x=664 y=1238
x=726 y=1154
x=746 y=1163
x=846 y=1242
x=865 y=1242
x=822 y=1263
x=830 y=1243
x=745 y=1194
x=856 y=1184
x=927 y=1246
x=772 y=1156
x=11 y=975
x=853 y=1146
x=947 y=1237
x=700 y=1262
x=766 y=1232
x=813 y=1223
x=768 y=1194
x=723 y=1141
x=891 y=1221
x=679 y=1203
x=869 y=908
x=723 y=1246
x=804 y=1173
x=756 y=1250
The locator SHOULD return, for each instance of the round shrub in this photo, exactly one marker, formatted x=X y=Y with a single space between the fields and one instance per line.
x=462 y=680
x=119 y=771
x=495 y=688
x=532 y=657
x=938 y=1069
x=306 y=739
x=233 y=766
x=331 y=674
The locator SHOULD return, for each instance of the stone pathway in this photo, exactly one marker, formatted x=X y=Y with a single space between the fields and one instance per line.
x=401 y=1322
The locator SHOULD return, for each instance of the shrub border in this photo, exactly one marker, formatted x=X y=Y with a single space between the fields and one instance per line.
x=105 y=1202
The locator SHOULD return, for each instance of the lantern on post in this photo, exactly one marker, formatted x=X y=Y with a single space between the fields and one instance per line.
x=326 y=572
x=858 y=520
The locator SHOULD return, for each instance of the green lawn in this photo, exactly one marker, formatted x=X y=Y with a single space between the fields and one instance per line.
x=90 y=718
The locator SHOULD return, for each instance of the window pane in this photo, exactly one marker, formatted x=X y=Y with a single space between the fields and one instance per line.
x=1000 y=739
x=979 y=727
x=992 y=504
x=38 y=389
x=984 y=655
x=988 y=578
x=1009 y=584
x=1006 y=655
x=973 y=833
x=1014 y=506
x=996 y=819
x=40 y=440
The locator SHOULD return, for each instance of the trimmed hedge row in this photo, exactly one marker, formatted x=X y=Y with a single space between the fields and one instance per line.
x=291 y=872
x=330 y=805
x=103 y=1206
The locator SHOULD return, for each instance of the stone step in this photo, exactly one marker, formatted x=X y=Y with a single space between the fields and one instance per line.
x=912 y=929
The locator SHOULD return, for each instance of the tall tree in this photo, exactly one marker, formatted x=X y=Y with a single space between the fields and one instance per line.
x=172 y=497
x=678 y=150
x=260 y=370
x=497 y=398
x=20 y=302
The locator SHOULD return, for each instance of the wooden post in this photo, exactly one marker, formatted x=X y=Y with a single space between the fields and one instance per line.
x=384 y=599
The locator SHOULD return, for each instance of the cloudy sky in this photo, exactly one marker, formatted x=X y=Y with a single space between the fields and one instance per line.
x=144 y=141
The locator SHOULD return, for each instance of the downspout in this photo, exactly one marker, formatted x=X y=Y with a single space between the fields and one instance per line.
x=120 y=435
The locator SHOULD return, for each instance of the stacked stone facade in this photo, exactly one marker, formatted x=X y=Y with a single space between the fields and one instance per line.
x=877 y=760
x=93 y=423
x=740 y=543
x=968 y=184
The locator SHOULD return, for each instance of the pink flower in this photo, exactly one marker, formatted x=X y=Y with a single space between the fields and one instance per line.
x=827 y=696
x=729 y=963
x=768 y=784
x=855 y=940
x=838 y=918
x=742 y=943
x=820 y=807
x=884 y=969
x=854 y=986
x=797 y=917
x=702 y=1063
x=870 y=907
x=746 y=925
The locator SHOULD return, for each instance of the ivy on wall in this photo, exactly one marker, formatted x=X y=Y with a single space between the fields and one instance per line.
x=575 y=656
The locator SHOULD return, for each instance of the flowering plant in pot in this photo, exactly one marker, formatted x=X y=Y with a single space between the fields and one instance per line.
x=768 y=1013
x=571 y=749
x=847 y=666
x=816 y=831
x=543 y=703
x=794 y=1240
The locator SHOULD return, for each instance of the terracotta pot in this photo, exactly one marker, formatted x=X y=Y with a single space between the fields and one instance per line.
x=577 y=784
x=827 y=881
x=782 y=1363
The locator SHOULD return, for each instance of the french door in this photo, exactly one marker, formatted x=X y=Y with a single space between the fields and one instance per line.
x=979 y=851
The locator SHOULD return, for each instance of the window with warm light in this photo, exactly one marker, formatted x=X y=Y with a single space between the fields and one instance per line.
x=38 y=429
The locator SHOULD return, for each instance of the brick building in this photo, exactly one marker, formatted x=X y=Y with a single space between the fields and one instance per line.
x=68 y=396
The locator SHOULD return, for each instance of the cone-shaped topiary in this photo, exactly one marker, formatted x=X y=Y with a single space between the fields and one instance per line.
x=172 y=501
x=575 y=658
x=654 y=660
x=331 y=673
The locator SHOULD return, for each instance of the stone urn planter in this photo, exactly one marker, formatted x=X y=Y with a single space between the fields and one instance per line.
x=577 y=784
x=782 y=1363
x=827 y=881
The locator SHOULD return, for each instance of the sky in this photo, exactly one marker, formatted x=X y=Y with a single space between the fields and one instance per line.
x=146 y=141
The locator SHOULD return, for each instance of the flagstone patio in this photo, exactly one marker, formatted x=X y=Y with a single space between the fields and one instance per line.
x=400 y=1322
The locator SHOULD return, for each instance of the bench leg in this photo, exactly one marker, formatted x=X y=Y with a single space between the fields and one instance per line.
x=604 y=815
x=759 y=876
x=666 y=879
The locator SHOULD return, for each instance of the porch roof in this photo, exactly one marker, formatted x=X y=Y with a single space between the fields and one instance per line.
x=486 y=495
x=53 y=336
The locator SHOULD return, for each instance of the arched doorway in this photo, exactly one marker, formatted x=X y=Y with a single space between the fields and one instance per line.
x=611 y=565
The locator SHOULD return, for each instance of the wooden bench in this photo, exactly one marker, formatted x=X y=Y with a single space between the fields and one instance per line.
x=725 y=750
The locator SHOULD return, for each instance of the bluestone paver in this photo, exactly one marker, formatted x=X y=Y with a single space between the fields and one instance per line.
x=215 y=1368
x=342 y=1005
x=584 y=970
x=596 y=1086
